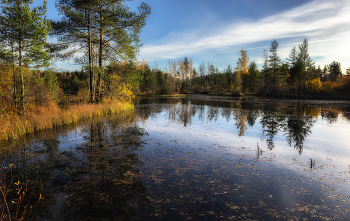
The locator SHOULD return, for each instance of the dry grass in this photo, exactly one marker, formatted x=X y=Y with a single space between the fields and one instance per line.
x=14 y=125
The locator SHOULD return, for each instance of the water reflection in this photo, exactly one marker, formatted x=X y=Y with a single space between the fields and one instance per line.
x=297 y=128
x=270 y=123
x=95 y=179
x=213 y=128
x=31 y=170
x=102 y=178
x=198 y=158
x=294 y=119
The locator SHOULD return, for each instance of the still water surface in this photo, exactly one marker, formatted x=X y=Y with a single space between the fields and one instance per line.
x=195 y=158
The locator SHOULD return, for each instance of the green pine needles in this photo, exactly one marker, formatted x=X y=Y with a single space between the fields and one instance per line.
x=24 y=33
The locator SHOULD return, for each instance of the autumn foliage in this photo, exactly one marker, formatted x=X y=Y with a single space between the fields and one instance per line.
x=5 y=83
x=46 y=105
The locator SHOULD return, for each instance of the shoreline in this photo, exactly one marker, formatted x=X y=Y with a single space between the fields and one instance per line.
x=38 y=119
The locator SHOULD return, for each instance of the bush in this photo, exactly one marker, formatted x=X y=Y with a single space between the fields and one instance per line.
x=117 y=90
x=164 y=90
x=41 y=88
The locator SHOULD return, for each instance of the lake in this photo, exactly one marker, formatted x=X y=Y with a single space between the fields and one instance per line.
x=198 y=157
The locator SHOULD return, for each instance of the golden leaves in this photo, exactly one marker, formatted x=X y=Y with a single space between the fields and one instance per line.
x=242 y=63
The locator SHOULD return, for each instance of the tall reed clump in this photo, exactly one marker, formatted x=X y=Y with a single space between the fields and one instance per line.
x=50 y=116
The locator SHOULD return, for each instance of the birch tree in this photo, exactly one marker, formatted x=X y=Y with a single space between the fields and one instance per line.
x=242 y=66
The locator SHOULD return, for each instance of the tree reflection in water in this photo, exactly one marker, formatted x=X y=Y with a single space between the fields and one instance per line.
x=270 y=123
x=104 y=180
x=97 y=179
x=297 y=129
x=293 y=121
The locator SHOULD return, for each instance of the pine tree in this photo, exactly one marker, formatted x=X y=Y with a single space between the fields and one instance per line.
x=335 y=71
x=303 y=54
x=265 y=71
x=274 y=64
x=113 y=29
x=76 y=27
x=325 y=73
x=348 y=71
x=254 y=75
x=292 y=57
x=25 y=31
x=302 y=66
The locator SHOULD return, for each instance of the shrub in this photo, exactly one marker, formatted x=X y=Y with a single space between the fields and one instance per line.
x=164 y=90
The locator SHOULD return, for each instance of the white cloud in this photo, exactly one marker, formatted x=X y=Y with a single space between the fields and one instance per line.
x=325 y=23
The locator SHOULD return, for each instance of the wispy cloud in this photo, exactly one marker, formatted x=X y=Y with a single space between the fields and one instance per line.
x=320 y=21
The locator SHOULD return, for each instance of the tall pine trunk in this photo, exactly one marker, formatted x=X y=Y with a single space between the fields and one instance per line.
x=100 y=56
x=20 y=61
x=91 y=71
x=14 y=75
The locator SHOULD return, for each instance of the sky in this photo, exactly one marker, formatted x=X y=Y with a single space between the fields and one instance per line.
x=216 y=31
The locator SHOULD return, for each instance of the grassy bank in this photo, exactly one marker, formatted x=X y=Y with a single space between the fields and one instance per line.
x=14 y=125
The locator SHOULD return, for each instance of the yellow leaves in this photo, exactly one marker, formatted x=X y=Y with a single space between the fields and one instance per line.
x=143 y=64
x=241 y=119
x=242 y=63
x=186 y=68
x=314 y=85
x=123 y=63
x=5 y=79
x=119 y=90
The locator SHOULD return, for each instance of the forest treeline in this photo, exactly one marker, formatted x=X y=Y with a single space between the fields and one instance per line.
x=107 y=34
x=96 y=33
x=103 y=32
x=297 y=76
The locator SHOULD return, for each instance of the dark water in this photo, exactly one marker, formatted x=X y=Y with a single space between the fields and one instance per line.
x=194 y=158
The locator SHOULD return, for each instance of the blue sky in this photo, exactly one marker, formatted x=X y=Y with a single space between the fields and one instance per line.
x=216 y=31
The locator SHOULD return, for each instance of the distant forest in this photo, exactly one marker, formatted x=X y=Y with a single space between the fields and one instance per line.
x=106 y=34
x=297 y=76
